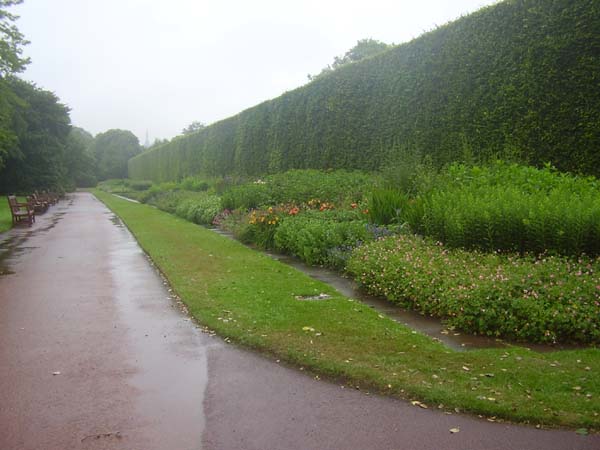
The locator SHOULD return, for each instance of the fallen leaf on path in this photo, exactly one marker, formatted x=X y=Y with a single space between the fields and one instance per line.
x=419 y=404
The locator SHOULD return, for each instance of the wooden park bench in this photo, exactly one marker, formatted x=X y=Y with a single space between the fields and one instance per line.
x=55 y=196
x=46 y=197
x=20 y=211
x=38 y=205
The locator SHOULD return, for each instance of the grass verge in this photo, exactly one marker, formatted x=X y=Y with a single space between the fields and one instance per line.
x=5 y=217
x=249 y=298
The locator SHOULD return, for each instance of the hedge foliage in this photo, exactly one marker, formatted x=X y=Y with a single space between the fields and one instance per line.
x=517 y=78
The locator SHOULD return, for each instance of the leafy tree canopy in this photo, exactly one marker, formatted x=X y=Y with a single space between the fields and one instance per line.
x=11 y=41
x=112 y=149
x=40 y=125
x=79 y=160
x=363 y=49
x=11 y=62
x=193 y=127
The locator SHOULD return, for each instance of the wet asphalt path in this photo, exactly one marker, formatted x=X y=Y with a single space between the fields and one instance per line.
x=96 y=354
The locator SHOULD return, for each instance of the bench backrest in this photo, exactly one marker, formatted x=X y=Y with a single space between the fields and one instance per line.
x=13 y=203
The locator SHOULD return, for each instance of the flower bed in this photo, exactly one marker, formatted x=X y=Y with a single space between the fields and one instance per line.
x=545 y=299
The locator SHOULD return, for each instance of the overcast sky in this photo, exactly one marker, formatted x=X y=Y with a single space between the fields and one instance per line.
x=160 y=65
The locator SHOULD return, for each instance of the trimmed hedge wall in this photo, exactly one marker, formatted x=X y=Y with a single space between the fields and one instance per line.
x=522 y=77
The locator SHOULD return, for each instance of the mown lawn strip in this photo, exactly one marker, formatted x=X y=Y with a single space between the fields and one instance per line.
x=5 y=217
x=250 y=298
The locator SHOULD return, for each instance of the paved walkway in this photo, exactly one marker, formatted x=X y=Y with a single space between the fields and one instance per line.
x=96 y=354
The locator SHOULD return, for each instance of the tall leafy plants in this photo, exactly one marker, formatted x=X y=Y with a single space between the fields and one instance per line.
x=513 y=208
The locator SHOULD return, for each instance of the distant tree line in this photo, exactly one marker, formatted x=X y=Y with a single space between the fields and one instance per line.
x=518 y=79
x=39 y=149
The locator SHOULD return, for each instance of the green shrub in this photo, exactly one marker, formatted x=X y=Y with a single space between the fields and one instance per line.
x=387 y=206
x=200 y=209
x=195 y=184
x=211 y=207
x=547 y=299
x=300 y=186
x=511 y=208
x=139 y=185
x=319 y=242
x=246 y=196
x=114 y=186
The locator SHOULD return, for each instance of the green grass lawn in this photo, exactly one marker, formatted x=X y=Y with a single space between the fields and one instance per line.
x=249 y=298
x=5 y=217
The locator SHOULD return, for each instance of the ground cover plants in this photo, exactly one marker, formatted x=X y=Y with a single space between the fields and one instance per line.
x=549 y=299
x=250 y=299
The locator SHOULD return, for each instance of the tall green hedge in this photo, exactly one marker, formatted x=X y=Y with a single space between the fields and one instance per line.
x=522 y=76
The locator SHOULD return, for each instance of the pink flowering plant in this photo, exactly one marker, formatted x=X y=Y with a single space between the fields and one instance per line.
x=545 y=299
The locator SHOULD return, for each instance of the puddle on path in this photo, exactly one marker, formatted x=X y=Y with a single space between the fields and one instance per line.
x=170 y=351
x=126 y=198
x=116 y=221
x=430 y=326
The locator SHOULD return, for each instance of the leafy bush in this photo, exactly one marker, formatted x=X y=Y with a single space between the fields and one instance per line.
x=139 y=185
x=246 y=196
x=259 y=226
x=201 y=208
x=300 y=186
x=409 y=171
x=387 y=206
x=115 y=185
x=169 y=200
x=195 y=184
x=546 y=299
x=317 y=241
x=511 y=208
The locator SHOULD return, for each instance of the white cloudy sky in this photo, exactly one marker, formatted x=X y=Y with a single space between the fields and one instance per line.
x=159 y=65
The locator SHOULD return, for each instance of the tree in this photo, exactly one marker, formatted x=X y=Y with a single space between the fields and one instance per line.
x=11 y=41
x=193 y=127
x=363 y=49
x=11 y=62
x=112 y=149
x=79 y=161
x=40 y=124
x=158 y=142
x=8 y=139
